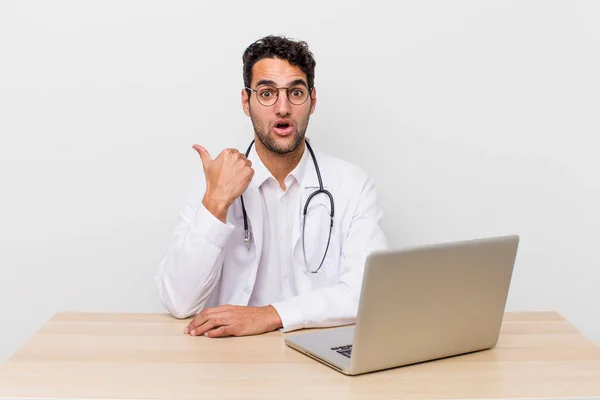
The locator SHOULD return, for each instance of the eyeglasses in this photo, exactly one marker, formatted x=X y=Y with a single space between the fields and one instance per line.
x=267 y=95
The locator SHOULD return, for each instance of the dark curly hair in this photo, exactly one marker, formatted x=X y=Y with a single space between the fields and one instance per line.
x=296 y=53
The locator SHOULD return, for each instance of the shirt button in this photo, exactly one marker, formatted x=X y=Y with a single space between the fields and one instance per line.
x=248 y=289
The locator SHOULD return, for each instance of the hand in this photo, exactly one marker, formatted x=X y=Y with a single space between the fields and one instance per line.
x=227 y=177
x=231 y=320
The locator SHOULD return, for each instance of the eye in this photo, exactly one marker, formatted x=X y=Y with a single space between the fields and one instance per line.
x=266 y=93
x=297 y=92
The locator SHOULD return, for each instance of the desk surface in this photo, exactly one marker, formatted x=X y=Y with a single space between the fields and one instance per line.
x=133 y=356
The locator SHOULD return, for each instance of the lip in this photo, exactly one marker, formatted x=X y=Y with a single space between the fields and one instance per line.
x=283 y=131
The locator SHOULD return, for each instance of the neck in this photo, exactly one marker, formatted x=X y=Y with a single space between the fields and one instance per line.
x=280 y=165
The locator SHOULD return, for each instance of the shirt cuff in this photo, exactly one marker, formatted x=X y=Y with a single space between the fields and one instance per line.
x=290 y=314
x=215 y=231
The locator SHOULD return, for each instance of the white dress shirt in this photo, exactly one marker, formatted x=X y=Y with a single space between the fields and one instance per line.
x=275 y=277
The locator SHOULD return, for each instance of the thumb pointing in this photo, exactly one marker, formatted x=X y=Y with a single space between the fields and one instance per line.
x=204 y=156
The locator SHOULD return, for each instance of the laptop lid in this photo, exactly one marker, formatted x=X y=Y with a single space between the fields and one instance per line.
x=429 y=302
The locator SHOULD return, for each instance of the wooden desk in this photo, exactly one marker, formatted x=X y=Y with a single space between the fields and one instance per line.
x=134 y=356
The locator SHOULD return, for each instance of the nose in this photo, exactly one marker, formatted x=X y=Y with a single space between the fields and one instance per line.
x=282 y=105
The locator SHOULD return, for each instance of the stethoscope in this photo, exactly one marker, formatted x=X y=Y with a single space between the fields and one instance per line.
x=313 y=194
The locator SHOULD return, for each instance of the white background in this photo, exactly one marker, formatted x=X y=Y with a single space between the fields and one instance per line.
x=475 y=118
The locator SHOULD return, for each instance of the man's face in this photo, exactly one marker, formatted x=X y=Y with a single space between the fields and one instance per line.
x=282 y=126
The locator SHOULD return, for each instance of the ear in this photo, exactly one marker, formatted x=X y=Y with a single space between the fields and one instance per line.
x=246 y=102
x=313 y=100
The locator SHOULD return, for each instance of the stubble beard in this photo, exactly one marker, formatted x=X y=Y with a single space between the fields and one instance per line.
x=267 y=139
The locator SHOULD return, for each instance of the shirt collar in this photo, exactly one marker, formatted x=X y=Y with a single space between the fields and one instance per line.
x=262 y=173
x=300 y=169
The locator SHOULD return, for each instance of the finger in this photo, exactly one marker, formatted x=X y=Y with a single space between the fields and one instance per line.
x=197 y=321
x=212 y=323
x=231 y=153
x=188 y=326
x=204 y=316
x=200 y=330
x=200 y=319
x=204 y=155
x=221 y=331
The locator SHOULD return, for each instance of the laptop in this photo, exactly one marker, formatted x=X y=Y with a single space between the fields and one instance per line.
x=420 y=304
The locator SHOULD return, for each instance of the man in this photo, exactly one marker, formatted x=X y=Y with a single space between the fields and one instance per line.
x=244 y=256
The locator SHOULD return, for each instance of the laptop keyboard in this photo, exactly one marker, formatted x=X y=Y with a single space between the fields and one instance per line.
x=343 y=350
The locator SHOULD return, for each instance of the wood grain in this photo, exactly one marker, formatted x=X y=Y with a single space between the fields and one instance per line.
x=147 y=356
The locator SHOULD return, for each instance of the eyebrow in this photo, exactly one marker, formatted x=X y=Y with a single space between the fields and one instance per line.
x=265 y=82
x=272 y=83
x=298 y=82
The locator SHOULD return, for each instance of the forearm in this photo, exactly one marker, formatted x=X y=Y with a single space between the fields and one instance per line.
x=216 y=206
x=192 y=267
x=273 y=320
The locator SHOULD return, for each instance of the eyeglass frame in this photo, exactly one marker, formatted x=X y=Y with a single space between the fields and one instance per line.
x=287 y=94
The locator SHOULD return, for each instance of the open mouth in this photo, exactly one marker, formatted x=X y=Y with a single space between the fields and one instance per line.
x=283 y=128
